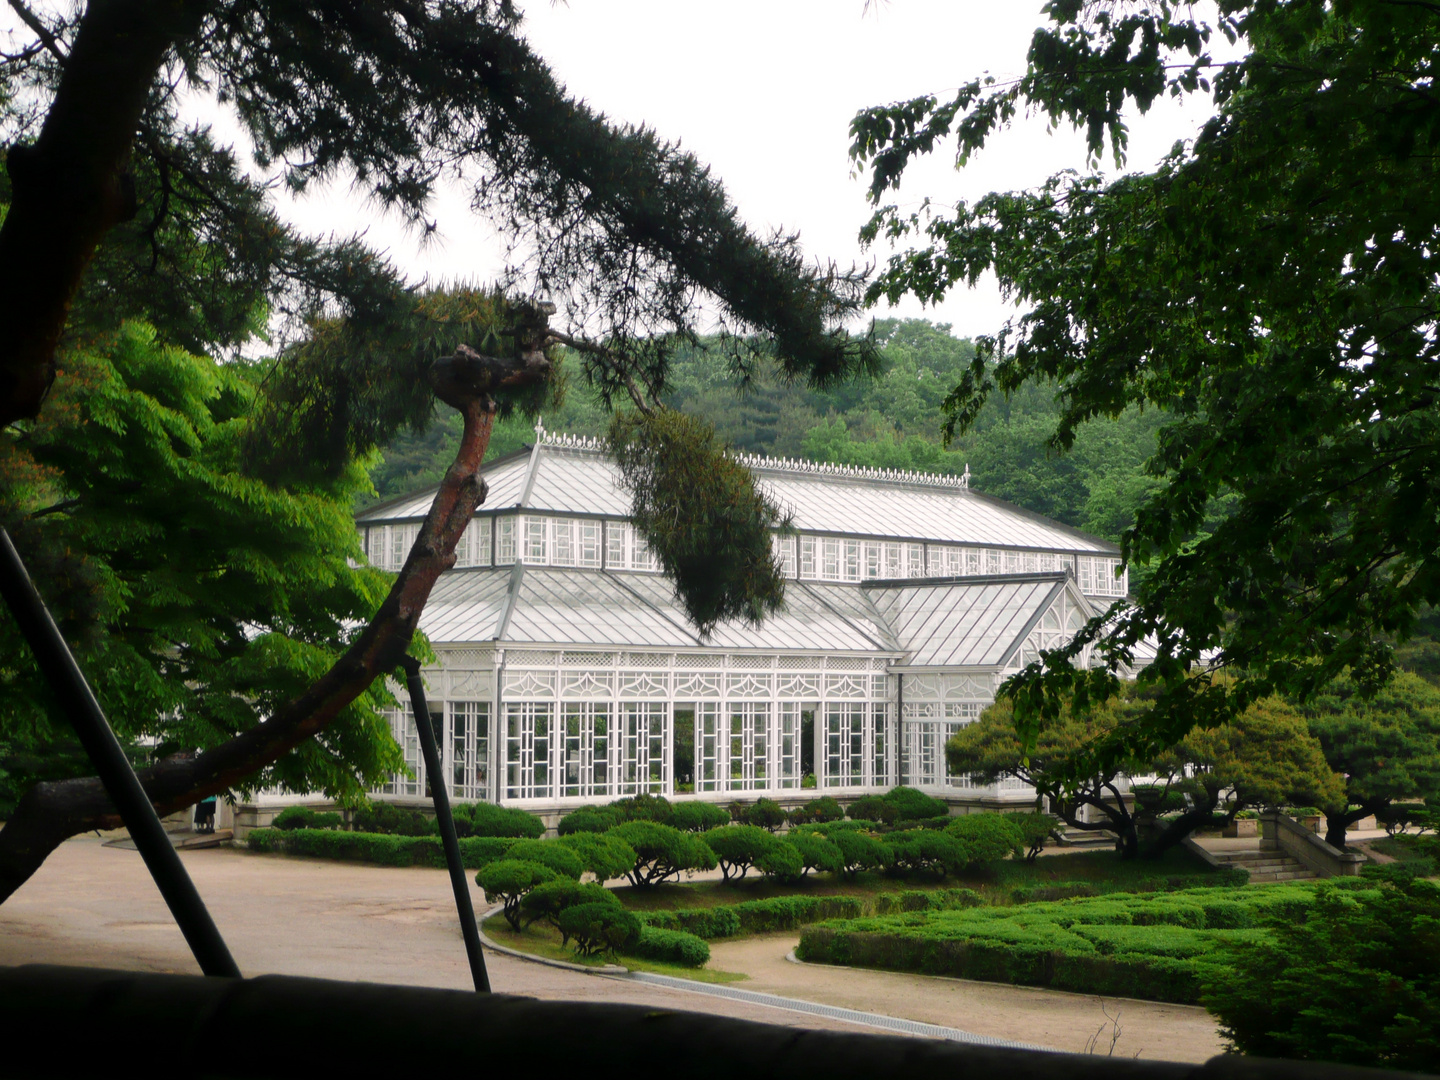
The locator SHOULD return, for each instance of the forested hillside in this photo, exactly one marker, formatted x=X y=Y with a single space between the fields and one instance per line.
x=893 y=421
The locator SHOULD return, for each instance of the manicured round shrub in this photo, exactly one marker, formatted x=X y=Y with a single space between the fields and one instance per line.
x=985 y=838
x=487 y=819
x=390 y=820
x=303 y=817
x=781 y=861
x=662 y=852
x=508 y=880
x=564 y=860
x=671 y=946
x=926 y=852
x=590 y=819
x=644 y=808
x=915 y=805
x=764 y=814
x=697 y=817
x=547 y=900
x=817 y=811
x=604 y=855
x=1035 y=830
x=737 y=847
x=598 y=928
x=873 y=808
x=816 y=853
x=860 y=851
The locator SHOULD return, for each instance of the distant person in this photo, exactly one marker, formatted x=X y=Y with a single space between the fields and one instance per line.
x=205 y=815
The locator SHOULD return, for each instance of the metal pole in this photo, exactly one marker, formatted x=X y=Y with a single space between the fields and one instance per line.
x=443 y=818
x=78 y=704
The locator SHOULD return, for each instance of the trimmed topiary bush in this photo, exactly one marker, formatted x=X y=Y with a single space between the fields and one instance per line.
x=985 y=838
x=559 y=857
x=781 y=861
x=1035 y=829
x=915 y=805
x=487 y=819
x=303 y=817
x=644 y=808
x=599 y=928
x=548 y=899
x=873 y=808
x=697 y=817
x=390 y=820
x=590 y=819
x=923 y=851
x=764 y=814
x=816 y=853
x=508 y=880
x=671 y=946
x=817 y=811
x=662 y=852
x=737 y=847
x=604 y=855
x=860 y=851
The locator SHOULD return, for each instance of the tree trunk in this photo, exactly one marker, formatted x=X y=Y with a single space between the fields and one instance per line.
x=50 y=813
x=1338 y=824
x=72 y=185
x=1175 y=832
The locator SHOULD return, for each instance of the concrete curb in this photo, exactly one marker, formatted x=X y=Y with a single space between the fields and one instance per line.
x=504 y=950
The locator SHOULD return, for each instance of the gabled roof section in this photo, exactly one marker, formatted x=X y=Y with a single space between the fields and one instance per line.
x=564 y=474
x=806 y=623
x=966 y=622
x=504 y=481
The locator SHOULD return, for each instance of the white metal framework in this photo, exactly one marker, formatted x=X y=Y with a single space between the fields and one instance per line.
x=569 y=673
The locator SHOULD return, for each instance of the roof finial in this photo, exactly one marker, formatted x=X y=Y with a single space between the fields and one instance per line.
x=965 y=480
x=539 y=429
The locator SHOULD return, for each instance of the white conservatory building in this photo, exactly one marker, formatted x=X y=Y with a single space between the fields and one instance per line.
x=568 y=672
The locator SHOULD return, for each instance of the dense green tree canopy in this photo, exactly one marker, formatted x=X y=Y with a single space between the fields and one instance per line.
x=1271 y=287
x=1265 y=756
x=199 y=598
x=1387 y=746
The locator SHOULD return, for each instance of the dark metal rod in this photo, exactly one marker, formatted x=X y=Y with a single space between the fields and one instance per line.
x=78 y=704
x=446 y=821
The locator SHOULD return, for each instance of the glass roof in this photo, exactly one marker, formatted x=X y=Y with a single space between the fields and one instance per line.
x=599 y=608
x=970 y=622
x=574 y=476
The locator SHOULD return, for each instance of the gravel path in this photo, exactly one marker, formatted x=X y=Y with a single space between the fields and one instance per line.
x=96 y=905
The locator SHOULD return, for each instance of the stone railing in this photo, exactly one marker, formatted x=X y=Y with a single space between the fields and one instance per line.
x=1278 y=832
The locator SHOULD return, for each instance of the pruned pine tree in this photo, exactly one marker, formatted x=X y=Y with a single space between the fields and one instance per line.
x=116 y=210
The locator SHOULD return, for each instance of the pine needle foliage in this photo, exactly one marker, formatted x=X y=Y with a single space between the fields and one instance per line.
x=702 y=515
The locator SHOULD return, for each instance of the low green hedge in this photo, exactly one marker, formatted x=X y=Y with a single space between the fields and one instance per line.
x=1157 y=946
x=671 y=946
x=381 y=849
x=792 y=912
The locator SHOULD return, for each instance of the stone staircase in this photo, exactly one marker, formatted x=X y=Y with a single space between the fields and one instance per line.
x=1266 y=866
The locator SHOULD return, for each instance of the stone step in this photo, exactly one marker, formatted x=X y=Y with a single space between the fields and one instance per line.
x=1268 y=878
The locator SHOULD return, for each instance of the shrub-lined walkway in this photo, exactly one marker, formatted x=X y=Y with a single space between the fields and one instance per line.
x=95 y=905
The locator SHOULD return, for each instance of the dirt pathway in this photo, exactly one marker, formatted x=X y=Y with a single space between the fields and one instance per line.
x=1064 y=1021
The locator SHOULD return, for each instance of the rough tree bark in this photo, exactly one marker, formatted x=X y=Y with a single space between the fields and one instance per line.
x=73 y=184
x=49 y=813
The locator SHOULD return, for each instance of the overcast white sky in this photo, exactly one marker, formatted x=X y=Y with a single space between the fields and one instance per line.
x=764 y=92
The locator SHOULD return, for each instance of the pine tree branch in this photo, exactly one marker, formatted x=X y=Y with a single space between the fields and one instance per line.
x=50 y=813
x=72 y=185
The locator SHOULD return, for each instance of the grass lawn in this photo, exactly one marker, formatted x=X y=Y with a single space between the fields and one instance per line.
x=1407 y=847
x=538 y=939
